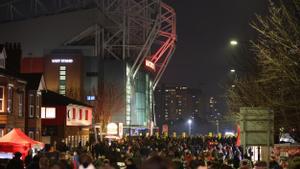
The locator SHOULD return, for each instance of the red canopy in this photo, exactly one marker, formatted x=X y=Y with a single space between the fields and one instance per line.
x=16 y=140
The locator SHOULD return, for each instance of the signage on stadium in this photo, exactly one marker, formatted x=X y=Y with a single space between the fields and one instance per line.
x=62 y=60
x=150 y=65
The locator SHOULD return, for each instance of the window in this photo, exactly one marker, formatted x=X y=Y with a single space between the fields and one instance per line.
x=37 y=105
x=10 y=99
x=48 y=113
x=1 y=132
x=74 y=114
x=62 y=87
x=31 y=105
x=91 y=74
x=21 y=100
x=62 y=79
x=86 y=114
x=1 y=98
x=80 y=114
x=62 y=68
x=37 y=135
x=2 y=62
x=31 y=134
x=62 y=73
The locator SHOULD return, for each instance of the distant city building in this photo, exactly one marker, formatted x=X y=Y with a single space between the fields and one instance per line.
x=176 y=104
x=214 y=115
x=213 y=109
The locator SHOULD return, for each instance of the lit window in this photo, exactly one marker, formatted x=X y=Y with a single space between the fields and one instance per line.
x=62 y=68
x=62 y=77
x=62 y=87
x=62 y=72
x=21 y=100
x=31 y=106
x=9 y=99
x=48 y=113
x=62 y=92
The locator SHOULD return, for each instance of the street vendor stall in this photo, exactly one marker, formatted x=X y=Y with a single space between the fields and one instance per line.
x=17 y=141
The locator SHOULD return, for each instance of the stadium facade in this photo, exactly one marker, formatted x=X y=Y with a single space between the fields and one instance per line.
x=112 y=52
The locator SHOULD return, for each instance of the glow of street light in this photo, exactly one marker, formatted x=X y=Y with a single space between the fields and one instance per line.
x=190 y=121
x=233 y=43
x=232 y=70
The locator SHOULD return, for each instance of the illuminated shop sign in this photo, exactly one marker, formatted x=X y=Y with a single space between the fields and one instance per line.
x=150 y=64
x=115 y=129
x=62 y=60
x=90 y=98
x=112 y=129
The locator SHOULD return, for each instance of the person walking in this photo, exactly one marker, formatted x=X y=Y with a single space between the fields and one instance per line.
x=16 y=162
x=86 y=162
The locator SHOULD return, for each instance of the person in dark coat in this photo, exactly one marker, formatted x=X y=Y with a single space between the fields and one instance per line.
x=34 y=164
x=16 y=162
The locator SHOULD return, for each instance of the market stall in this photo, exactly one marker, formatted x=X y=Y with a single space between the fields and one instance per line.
x=17 y=141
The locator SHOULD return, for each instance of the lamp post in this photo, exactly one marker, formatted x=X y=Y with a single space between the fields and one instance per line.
x=190 y=126
x=234 y=42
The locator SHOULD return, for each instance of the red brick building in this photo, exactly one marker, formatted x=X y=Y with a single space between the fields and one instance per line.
x=33 y=104
x=12 y=97
x=20 y=94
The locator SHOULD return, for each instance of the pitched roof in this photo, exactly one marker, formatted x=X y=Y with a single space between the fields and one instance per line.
x=11 y=74
x=33 y=80
x=53 y=98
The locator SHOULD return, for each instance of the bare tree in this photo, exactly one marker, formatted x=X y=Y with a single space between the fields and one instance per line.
x=277 y=83
x=109 y=100
x=73 y=93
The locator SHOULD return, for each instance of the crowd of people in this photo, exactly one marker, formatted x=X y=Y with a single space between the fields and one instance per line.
x=149 y=153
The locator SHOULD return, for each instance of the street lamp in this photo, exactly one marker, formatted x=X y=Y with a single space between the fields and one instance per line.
x=232 y=70
x=234 y=43
x=190 y=126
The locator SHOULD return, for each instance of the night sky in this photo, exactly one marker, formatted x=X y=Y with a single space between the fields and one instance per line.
x=205 y=28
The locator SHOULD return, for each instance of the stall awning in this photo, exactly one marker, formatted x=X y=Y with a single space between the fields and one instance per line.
x=16 y=136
